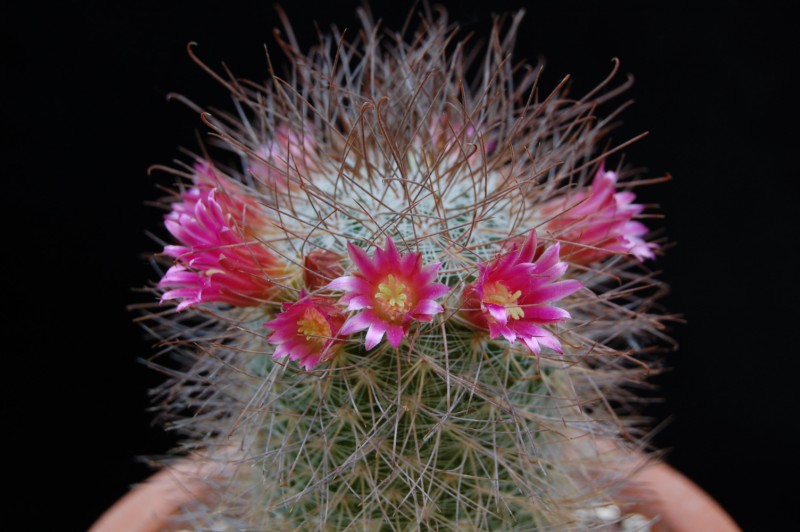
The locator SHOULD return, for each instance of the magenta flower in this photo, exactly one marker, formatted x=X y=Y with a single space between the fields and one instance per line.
x=282 y=156
x=306 y=331
x=598 y=222
x=391 y=290
x=511 y=294
x=218 y=259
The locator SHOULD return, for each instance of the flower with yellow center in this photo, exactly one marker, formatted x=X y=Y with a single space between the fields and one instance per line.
x=307 y=330
x=512 y=293
x=392 y=297
x=391 y=291
x=314 y=326
x=498 y=294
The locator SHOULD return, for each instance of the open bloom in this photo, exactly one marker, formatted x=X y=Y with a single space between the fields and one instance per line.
x=391 y=290
x=306 y=331
x=598 y=222
x=218 y=259
x=511 y=295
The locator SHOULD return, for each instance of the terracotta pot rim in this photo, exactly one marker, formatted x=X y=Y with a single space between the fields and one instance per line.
x=679 y=504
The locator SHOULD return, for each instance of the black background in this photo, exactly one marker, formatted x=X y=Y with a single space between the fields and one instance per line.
x=85 y=113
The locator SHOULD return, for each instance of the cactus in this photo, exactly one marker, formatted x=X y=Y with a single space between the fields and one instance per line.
x=406 y=297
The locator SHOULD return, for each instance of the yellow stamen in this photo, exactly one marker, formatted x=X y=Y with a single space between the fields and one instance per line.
x=392 y=297
x=314 y=326
x=497 y=294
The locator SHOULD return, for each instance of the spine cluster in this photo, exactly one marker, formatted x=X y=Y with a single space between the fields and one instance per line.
x=406 y=299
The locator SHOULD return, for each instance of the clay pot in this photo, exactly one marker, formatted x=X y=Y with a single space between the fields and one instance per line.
x=680 y=504
x=149 y=506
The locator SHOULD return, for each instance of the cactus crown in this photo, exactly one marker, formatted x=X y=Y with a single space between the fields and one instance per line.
x=407 y=298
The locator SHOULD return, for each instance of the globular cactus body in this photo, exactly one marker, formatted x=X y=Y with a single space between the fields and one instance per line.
x=406 y=299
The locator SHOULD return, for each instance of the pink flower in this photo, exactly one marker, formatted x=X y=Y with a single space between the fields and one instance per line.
x=219 y=259
x=392 y=290
x=511 y=294
x=282 y=156
x=306 y=331
x=230 y=196
x=600 y=218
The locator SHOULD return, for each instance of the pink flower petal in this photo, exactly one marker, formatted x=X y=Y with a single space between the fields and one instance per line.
x=532 y=344
x=359 y=322
x=342 y=283
x=427 y=307
x=375 y=334
x=553 y=292
x=434 y=291
x=395 y=335
x=549 y=258
x=498 y=312
x=359 y=302
x=545 y=314
x=550 y=341
x=361 y=261
x=497 y=329
x=528 y=250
